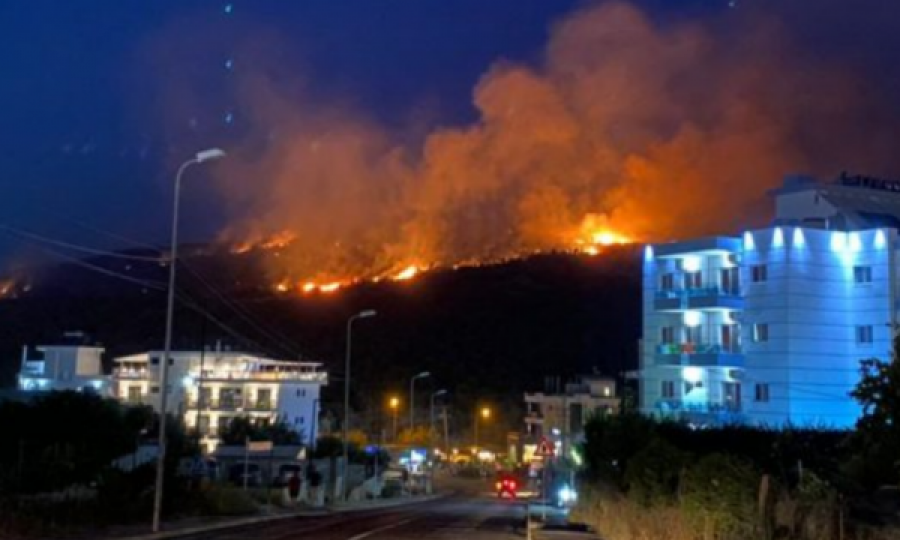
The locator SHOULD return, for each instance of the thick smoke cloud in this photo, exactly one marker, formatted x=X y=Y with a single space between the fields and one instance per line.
x=655 y=130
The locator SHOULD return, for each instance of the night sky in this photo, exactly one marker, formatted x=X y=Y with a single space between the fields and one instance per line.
x=91 y=131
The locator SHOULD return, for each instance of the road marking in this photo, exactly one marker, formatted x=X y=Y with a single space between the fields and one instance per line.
x=380 y=529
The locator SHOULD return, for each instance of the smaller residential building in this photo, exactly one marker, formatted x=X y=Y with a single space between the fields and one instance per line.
x=72 y=363
x=559 y=414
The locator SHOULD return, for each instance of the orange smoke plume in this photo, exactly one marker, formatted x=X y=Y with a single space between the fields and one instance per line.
x=627 y=131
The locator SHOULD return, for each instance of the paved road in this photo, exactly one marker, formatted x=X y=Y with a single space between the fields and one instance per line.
x=463 y=517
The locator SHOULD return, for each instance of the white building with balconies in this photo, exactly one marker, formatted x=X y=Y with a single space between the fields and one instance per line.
x=209 y=389
x=769 y=327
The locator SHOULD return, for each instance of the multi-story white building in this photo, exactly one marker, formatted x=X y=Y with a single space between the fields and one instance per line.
x=208 y=390
x=71 y=364
x=769 y=327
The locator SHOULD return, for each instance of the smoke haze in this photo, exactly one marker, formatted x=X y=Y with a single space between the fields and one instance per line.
x=653 y=130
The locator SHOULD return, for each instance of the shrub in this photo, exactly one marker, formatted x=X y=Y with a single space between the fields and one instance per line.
x=653 y=473
x=719 y=494
x=225 y=500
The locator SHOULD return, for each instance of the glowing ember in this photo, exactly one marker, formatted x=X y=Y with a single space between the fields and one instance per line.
x=330 y=287
x=609 y=238
x=279 y=240
x=282 y=287
x=408 y=273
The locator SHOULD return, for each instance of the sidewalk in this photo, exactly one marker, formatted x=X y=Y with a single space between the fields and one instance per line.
x=197 y=525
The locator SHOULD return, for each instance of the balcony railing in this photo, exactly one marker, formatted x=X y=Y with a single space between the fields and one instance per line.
x=697 y=348
x=231 y=404
x=704 y=407
x=698 y=298
x=261 y=376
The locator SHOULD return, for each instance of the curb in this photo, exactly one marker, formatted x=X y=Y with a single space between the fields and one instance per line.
x=200 y=529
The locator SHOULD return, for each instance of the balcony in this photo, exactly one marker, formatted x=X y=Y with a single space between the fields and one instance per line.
x=32 y=368
x=131 y=374
x=700 y=298
x=697 y=407
x=699 y=354
x=234 y=404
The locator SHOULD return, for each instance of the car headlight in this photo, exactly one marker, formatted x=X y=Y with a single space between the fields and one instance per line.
x=567 y=494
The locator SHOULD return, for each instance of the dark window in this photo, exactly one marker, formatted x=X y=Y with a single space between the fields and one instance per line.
x=668 y=389
x=667 y=282
x=864 y=335
x=762 y=393
x=668 y=335
x=693 y=280
x=759 y=273
x=862 y=274
x=760 y=332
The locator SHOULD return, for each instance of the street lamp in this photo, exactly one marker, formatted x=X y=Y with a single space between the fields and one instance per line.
x=441 y=392
x=201 y=157
x=394 y=404
x=485 y=413
x=365 y=314
x=412 y=398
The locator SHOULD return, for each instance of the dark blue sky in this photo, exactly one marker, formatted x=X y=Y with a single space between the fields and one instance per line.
x=82 y=138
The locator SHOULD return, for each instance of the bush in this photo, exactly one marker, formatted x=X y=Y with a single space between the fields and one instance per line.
x=719 y=494
x=653 y=473
x=225 y=500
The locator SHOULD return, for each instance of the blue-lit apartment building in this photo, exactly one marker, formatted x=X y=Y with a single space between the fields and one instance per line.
x=768 y=327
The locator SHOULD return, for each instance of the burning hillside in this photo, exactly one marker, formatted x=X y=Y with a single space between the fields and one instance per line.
x=591 y=242
x=628 y=129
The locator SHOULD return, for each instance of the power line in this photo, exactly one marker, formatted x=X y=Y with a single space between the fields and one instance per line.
x=77 y=247
x=285 y=343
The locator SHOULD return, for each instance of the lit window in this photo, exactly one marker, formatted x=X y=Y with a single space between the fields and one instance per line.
x=862 y=274
x=864 y=335
x=759 y=273
x=760 y=332
x=762 y=393
x=606 y=391
x=668 y=389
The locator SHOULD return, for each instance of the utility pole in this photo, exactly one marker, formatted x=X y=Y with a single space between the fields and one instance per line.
x=446 y=432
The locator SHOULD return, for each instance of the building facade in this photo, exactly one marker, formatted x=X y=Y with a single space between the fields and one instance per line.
x=207 y=390
x=769 y=327
x=559 y=415
x=74 y=363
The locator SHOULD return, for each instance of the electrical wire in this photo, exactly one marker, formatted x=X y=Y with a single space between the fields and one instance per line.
x=76 y=247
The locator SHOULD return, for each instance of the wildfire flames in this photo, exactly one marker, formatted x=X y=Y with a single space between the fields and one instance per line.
x=592 y=243
x=627 y=130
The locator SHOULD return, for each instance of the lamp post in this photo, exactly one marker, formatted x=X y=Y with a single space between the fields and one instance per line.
x=441 y=392
x=361 y=315
x=412 y=398
x=201 y=157
x=394 y=405
x=485 y=413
